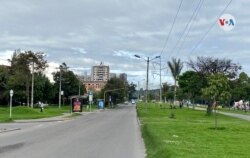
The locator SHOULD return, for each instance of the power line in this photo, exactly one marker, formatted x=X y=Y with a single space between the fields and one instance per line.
x=170 y=31
x=210 y=28
x=189 y=24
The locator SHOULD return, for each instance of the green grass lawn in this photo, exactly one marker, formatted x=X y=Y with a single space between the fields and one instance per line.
x=191 y=134
x=22 y=112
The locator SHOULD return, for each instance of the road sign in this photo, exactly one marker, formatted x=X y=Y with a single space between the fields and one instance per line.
x=90 y=98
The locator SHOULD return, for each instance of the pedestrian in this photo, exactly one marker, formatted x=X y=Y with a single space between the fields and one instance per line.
x=41 y=107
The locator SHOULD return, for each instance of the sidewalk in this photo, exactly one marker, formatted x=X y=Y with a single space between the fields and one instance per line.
x=241 y=116
x=63 y=117
x=244 y=117
x=24 y=124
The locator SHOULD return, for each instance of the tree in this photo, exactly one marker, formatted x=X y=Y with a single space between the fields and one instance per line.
x=175 y=67
x=44 y=91
x=69 y=82
x=116 y=89
x=191 y=83
x=20 y=72
x=168 y=91
x=4 y=76
x=218 y=90
x=132 y=91
x=240 y=87
x=209 y=65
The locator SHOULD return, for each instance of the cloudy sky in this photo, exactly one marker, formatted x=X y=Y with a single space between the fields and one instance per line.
x=83 y=33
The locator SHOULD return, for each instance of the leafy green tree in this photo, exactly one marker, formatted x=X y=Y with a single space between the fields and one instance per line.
x=4 y=76
x=69 y=82
x=218 y=90
x=175 y=67
x=191 y=83
x=20 y=72
x=167 y=91
x=132 y=91
x=240 y=87
x=116 y=88
x=44 y=90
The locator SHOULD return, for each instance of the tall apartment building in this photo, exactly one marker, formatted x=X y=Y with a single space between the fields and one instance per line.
x=112 y=75
x=100 y=73
x=123 y=76
x=99 y=78
x=86 y=76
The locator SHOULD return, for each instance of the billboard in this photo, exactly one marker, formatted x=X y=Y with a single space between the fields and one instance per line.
x=76 y=105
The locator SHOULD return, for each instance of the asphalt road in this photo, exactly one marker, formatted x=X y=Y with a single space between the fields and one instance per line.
x=107 y=134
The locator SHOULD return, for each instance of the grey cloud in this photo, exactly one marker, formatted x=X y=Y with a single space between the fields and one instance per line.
x=86 y=32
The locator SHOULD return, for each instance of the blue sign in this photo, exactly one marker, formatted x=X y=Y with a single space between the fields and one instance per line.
x=101 y=104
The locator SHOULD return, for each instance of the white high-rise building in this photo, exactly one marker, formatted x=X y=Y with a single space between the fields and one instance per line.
x=100 y=73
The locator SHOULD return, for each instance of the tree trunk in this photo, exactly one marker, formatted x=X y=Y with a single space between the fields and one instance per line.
x=209 y=108
x=174 y=92
x=215 y=119
x=215 y=115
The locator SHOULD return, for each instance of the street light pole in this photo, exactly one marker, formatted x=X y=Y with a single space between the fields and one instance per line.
x=138 y=93
x=32 y=86
x=147 y=81
x=160 y=83
x=60 y=88
x=147 y=60
x=11 y=94
x=79 y=91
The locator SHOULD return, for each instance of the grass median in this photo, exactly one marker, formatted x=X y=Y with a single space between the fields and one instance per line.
x=189 y=133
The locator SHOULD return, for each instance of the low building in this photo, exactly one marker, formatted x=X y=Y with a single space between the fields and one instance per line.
x=95 y=86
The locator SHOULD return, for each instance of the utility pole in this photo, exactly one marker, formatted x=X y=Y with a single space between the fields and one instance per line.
x=32 y=86
x=147 y=60
x=160 y=74
x=79 y=87
x=11 y=94
x=79 y=91
x=160 y=83
x=32 y=83
x=60 y=87
x=147 y=81
x=138 y=93
x=60 y=84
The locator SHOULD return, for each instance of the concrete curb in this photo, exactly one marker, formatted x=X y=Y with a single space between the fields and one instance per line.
x=36 y=121
x=9 y=130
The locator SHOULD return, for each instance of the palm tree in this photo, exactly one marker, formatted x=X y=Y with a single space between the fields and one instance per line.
x=175 y=67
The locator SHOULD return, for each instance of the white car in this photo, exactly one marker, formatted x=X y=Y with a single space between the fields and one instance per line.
x=133 y=101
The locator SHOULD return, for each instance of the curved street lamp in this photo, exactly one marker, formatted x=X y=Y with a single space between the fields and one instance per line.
x=11 y=94
x=147 y=60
